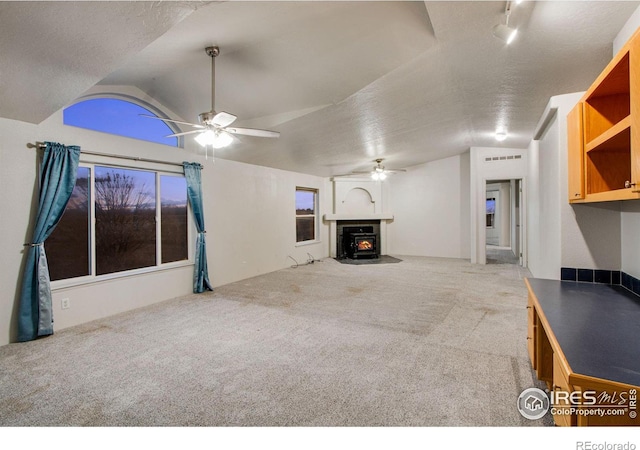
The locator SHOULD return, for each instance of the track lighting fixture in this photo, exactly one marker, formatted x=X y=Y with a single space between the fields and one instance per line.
x=505 y=33
x=503 y=30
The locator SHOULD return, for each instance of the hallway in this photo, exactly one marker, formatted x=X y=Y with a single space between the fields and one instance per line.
x=500 y=255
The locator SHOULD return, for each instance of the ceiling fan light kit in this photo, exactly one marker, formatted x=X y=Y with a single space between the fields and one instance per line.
x=378 y=173
x=213 y=131
x=501 y=135
x=216 y=139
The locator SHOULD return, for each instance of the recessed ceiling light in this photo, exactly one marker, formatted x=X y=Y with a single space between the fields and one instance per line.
x=501 y=135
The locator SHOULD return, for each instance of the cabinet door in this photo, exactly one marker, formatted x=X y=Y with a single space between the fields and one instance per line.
x=575 y=147
x=563 y=405
x=531 y=332
x=634 y=100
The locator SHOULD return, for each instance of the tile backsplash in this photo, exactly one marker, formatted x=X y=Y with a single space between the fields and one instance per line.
x=614 y=277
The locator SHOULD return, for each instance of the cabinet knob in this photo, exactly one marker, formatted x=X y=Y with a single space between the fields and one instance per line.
x=576 y=194
x=628 y=184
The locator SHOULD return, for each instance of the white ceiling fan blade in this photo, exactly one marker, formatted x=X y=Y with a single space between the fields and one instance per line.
x=222 y=119
x=253 y=132
x=185 y=133
x=173 y=121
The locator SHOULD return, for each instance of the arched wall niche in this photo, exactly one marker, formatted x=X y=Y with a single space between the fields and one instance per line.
x=359 y=201
x=359 y=197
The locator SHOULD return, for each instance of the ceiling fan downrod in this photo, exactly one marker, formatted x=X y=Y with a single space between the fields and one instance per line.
x=212 y=51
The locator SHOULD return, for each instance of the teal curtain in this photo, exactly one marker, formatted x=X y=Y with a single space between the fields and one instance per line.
x=192 y=173
x=57 y=180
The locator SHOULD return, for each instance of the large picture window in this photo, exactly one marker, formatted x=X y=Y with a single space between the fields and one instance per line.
x=306 y=206
x=140 y=220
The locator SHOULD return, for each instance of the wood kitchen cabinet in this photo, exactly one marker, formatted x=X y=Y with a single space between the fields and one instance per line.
x=603 y=133
x=576 y=153
x=582 y=340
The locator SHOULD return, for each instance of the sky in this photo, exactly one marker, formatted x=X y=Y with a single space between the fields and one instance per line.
x=305 y=200
x=115 y=116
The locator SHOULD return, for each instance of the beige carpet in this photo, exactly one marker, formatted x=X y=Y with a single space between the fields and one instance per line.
x=424 y=342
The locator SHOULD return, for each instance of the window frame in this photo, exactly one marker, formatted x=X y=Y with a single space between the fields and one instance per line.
x=159 y=266
x=315 y=215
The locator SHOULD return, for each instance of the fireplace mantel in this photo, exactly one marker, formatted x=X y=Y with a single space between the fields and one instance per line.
x=336 y=217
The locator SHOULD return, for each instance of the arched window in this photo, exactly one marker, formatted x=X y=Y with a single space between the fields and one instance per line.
x=120 y=117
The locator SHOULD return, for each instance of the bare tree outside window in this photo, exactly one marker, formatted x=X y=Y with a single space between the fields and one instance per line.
x=125 y=219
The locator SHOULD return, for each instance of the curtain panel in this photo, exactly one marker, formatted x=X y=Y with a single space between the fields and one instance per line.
x=192 y=173
x=57 y=180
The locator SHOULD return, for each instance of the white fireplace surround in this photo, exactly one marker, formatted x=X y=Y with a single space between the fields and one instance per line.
x=357 y=199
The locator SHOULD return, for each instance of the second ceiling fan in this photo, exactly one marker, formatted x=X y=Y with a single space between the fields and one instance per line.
x=379 y=172
x=213 y=129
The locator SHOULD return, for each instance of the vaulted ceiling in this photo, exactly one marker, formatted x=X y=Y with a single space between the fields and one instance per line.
x=343 y=82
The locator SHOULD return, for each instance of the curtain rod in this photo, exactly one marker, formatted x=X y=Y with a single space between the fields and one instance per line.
x=41 y=145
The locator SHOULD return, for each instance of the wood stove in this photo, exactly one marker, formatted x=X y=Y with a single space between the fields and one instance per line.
x=360 y=242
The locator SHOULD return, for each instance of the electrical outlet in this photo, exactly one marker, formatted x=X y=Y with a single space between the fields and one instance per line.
x=66 y=303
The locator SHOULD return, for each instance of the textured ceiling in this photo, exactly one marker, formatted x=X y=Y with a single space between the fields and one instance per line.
x=53 y=51
x=344 y=82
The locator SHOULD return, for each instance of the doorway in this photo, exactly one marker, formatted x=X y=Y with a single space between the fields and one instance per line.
x=503 y=219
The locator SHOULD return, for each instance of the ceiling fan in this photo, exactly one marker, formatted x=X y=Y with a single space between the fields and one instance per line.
x=213 y=129
x=379 y=172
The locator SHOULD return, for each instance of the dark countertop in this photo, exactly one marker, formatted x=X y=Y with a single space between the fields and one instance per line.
x=596 y=325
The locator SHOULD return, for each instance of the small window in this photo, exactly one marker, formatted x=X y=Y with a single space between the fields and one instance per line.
x=306 y=206
x=120 y=117
x=491 y=212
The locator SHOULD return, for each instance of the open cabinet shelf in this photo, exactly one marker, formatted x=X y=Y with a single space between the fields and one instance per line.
x=604 y=132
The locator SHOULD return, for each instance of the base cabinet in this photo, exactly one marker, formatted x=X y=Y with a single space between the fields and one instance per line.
x=576 y=399
x=563 y=411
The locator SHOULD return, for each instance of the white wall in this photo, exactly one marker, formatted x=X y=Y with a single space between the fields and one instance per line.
x=627 y=31
x=515 y=217
x=249 y=216
x=630 y=245
x=563 y=235
x=431 y=209
x=544 y=233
